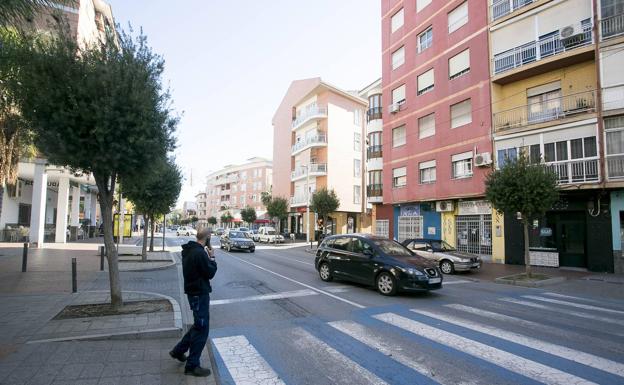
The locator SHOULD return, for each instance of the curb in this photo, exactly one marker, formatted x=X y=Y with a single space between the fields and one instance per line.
x=544 y=282
x=172 y=263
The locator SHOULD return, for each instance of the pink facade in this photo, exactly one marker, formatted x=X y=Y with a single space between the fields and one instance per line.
x=473 y=85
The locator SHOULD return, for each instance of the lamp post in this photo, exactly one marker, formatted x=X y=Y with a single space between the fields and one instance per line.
x=308 y=203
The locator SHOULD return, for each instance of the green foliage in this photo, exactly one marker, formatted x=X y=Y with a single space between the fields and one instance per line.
x=324 y=202
x=212 y=220
x=248 y=214
x=265 y=197
x=226 y=218
x=16 y=11
x=519 y=186
x=278 y=208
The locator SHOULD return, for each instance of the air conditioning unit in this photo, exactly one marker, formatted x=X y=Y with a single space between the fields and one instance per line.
x=483 y=159
x=444 y=206
x=394 y=108
x=572 y=34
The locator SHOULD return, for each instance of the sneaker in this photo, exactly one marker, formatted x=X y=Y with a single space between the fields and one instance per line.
x=197 y=371
x=179 y=357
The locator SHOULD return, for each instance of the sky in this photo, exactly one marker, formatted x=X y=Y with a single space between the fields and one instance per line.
x=229 y=63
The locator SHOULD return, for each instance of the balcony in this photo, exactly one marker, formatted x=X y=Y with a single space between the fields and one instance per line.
x=312 y=112
x=576 y=171
x=312 y=141
x=615 y=167
x=225 y=192
x=374 y=152
x=540 y=49
x=298 y=200
x=226 y=179
x=502 y=8
x=374 y=113
x=612 y=26
x=551 y=110
x=316 y=169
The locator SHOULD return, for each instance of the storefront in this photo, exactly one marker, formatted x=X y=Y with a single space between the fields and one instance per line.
x=473 y=228
x=416 y=220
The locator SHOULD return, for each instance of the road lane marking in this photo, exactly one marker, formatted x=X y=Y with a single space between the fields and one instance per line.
x=319 y=350
x=509 y=361
x=573 y=304
x=245 y=364
x=533 y=343
x=455 y=282
x=575 y=298
x=563 y=311
x=301 y=283
x=360 y=333
x=266 y=297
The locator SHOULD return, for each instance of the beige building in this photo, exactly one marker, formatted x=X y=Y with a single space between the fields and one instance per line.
x=319 y=142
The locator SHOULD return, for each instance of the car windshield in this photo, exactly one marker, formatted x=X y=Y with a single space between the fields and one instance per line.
x=243 y=229
x=441 y=246
x=271 y=232
x=237 y=234
x=392 y=248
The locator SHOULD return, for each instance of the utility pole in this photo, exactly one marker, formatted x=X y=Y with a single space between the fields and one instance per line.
x=307 y=202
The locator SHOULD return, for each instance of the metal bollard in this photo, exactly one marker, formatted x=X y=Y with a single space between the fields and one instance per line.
x=74 y=280
x=25 y=257
x=101 y=258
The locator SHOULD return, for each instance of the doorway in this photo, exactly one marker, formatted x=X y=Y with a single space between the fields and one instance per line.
x=570 y=238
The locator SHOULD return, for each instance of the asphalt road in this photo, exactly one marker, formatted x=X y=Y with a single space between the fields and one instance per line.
x=273 y=321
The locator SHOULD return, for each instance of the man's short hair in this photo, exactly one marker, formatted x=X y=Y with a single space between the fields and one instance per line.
x=203 y=233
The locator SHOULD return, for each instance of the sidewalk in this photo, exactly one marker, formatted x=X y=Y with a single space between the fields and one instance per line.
x=126 y=349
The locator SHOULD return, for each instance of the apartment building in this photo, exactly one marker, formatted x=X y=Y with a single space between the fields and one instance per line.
x=319 y=142
x=201 y=200
x=437 y=147
x=548 y=61
x=236 y=187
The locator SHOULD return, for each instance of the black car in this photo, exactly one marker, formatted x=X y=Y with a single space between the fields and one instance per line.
x=380 y=262
x=237 y=240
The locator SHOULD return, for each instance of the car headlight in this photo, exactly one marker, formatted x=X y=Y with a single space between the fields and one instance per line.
x=411 y=271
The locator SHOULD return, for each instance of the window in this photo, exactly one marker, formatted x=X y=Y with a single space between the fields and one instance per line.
x=342 y=243
x=398 y=136
x=398 y=95
x=425 y=82
x=614 y=127
x=357 y=141
x=509 y=154
x=399 y=177
x=427 y=171
x=462 y=165
x=458 y=17
x=382 y=228
x=410 y=227
x=23 y=214
x=555 y=152
x=357 y=168
x=420 y=4
x=426 y=126
x=425 y=39
x=459 y=64
x=398 y=58
x=357 y=194
x=461 y=113
x=396 y=21
x=357 y=118
x=544 y=102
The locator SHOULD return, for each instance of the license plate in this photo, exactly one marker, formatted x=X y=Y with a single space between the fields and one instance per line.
x=244 y=247
x=435 y=280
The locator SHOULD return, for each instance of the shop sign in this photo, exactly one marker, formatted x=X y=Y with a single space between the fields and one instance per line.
x=410 y=211
x=474 y=208
x=431 y=231
x=546 y=232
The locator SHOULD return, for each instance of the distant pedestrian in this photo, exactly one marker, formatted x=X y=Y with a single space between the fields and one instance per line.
x=199 y=268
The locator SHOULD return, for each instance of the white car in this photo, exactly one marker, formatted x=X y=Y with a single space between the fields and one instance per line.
x=269 y=235
x=185 y=230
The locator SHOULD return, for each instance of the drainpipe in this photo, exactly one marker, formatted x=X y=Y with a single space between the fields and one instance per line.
x=601 y=133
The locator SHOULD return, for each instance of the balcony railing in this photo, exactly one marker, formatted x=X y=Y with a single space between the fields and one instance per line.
x=298 y=200
x=576 y=171
x=501 y=8
x=615 y=166
x=315 y=169
x=538 y=50
x=313 y=140
x=374 y=152
x=553 y=109
x=374 y=113
x=612 y=26
x=374 y=190
x=313 y=111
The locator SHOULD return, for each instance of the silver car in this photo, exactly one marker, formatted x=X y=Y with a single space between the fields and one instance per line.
x=448 y=258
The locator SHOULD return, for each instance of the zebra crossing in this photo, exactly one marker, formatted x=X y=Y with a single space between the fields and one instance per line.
x=542 y=338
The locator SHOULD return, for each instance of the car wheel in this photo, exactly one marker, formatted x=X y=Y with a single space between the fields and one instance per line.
x=325 y=273
x=221 y=245
x=447 y=267
x=386 y=284
x=252 y=250
x=177 y=234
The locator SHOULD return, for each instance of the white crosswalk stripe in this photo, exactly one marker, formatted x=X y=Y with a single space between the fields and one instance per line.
x=573 y=304
x=547 y=347
x=517 y=364
x=244 y=363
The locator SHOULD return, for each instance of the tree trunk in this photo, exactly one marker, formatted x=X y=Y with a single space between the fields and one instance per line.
x=153 y=229
x=144 y=249
x=106 y=187
x=527 y=257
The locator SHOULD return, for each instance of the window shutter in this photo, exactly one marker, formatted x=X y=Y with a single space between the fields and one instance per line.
x=462 y=156
x=426 y=126
x=398 y=58
x=459 y=63
x=544 y=88
x=461 y=113
x=399 y=172
x=398 y=94
x=420 y=4
x=428 y=164
x=458 y=17
x=425 y=80
x=397 y=20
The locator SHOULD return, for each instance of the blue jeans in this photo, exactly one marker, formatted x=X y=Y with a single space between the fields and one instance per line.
x=195 y=339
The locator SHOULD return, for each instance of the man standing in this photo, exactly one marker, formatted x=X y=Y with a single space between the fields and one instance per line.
x=199 y=268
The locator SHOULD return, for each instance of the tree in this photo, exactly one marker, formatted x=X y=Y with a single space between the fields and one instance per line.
x=212 y=221
x=154 y=195
x=248 y=215
x=100 y=110
x=226 y=218
x=265 y=198
x=194 y=219
x=324 y=202
x=13 y=12
x=522 y=188
x=278 y=208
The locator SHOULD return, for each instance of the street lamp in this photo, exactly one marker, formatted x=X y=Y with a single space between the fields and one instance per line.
x=307 y=187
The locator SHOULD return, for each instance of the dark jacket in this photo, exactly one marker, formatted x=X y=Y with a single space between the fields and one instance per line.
x=198 y=269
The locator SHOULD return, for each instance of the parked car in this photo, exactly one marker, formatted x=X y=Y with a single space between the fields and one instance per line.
x=219 y=231
x=269 y=235
x=254 y=235
x=185 y=230
x=446 y=256
x=376 y=261
x=237 y=240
